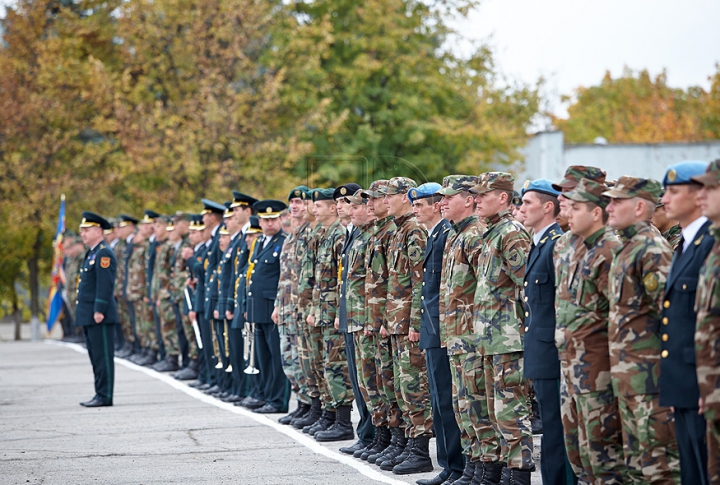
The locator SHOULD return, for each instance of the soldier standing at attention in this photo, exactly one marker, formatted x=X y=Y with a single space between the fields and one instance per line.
x=405 y=263
x=73 y=252
x=678 y=378
x=636 y=286
x=161 y=293
x=426 y=201
x=124 y=229
x=707 y=333
x=539 y=210
x=136 y=292
x=589 y=407
x=498 y=323
x=96 y=310
x=261 y=290
x=479 y=442
x=323 y=314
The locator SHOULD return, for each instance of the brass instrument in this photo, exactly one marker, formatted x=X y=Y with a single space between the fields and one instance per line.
x=216 y=346
x=227 y=347
x=251 y=369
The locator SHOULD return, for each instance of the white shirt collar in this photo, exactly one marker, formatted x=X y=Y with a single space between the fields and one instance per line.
x=691 y=231
x=114 y=242
x=538 y=235
x=234 y=236
x=151 y=238
x=198 y=246
x=215 y=230
x=430 y=231
x=129 y=238
x=245 y=227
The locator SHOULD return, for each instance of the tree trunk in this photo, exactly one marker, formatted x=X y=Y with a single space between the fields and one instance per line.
x=17 y=314
x=34 y=276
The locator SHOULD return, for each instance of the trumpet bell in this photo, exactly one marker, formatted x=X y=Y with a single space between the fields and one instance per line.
x=229 y=368
x=219 y=365
x=251 y=370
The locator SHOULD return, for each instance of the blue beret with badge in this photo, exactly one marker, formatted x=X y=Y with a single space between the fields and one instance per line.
x=543 y=186
x=681 y=173
x=424 y=191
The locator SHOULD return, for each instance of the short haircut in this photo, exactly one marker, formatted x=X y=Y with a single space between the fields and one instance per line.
x=545 y=198
x=592 y=205
x=510 y=194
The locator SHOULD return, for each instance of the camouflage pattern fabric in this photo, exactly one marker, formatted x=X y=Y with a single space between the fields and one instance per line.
x=636 y=286
x=588 y=403
x=365 y=352
x=123 y=314
x=136 y=291
x=177 y=294
x=72 y=267
x=707 y=336
x=673 y=236
x=498 y=323
x=161 y=283
x=357 y=310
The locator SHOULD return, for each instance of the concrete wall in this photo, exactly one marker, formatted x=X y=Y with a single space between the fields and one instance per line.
x=547 y=156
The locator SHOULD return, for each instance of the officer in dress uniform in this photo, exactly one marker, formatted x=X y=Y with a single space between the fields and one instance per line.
x=678 y=378
x=539 y=210
x=262 y=283
x=96 y=310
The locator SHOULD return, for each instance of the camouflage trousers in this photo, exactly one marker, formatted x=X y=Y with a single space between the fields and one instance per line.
x=311 y=362
x=335 y=372
x=713 y=445
x=368 y=377
x=411 y=385
x=190 y=334
x=168 y=327
x=386 y=380
x=290 y=356
x=477 y=435
x=507 y=397
x=649 y=445
x=144 y=324
x=124 y=317
x=593 y=439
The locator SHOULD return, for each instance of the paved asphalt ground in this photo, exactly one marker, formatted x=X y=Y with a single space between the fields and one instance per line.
x=159 y=431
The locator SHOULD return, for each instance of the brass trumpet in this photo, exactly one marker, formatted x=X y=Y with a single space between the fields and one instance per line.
x=227 y=347
x=250 y=356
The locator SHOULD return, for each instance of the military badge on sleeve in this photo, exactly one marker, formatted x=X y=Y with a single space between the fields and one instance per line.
x=104 y=263
x=650 y=281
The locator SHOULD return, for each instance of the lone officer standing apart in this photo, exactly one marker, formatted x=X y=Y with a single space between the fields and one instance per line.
x=678 y=381
x=96 y=310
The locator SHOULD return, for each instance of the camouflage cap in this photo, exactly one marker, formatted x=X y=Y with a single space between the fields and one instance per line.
x=629 y=187
x=357 y=198
x=574 y=173
x=454 y=184
x=398 y=185
x=495 y=181
x=711 y=177
x=588 y=190
x=375 y=188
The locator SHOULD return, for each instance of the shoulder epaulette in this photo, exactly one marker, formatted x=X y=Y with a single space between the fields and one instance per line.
x=699 y=240
x=542 y=241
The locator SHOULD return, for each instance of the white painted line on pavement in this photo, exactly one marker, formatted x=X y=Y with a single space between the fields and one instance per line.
x=300 y=437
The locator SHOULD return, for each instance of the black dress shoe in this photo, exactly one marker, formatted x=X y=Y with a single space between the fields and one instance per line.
x=252 y=403
x=231 y=398
x=436 y=480
x=213 y=390
x=96 y=403
x=268 y=409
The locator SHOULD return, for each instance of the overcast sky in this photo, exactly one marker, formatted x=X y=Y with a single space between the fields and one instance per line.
x=573 y=42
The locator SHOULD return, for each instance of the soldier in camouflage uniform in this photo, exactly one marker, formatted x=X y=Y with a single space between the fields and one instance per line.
x=178 y=277
x=670 y=229
x=136 y=294
x=406 y=252
x=124 y=229
x=498 y=323
x=323 y=314
x=74 y=253
x=161 y=292
x=376 y=294
x=707 y=331
x=589 y=407
x=637 y=278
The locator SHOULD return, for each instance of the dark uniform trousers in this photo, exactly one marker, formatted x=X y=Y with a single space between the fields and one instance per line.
x=447 y=432
x=365 y=428
x=678 y=381
x=542 y=364
x=100 y=342
x=261 y=290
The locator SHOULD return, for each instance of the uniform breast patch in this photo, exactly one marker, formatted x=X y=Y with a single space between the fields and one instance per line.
x=104 y=262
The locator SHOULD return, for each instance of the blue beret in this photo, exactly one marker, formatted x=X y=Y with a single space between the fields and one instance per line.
x=681 y=173
x=425 y=190
x=539 y=185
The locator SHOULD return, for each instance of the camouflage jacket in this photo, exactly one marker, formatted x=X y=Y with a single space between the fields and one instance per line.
x=119 y=251
x=163 y=270
x=179 y=274
x=327 y=262
x=357 y=311
x=306 y=276
x=287 y=284
x=458 y=285
x=376 y=279
x=405 y=274
x=137 y=276
x=636 y=287
x=707 y=331
x=581 y=329
x=71 y=266
x=500 y=271
x=566 y=262
x=673 y=236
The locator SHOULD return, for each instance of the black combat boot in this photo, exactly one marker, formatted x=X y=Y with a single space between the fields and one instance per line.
x=400 y=446
x=326 y=420
x=535 y=421
x=488 y=474
x=418 y=460
x=389 y=464
x=138 y=356
x=515 y=476
x=168 y=364
x=341 y=429
x=189 y=373
x=301 y=409
x=382 y=441
x=389 y=449
x=310 y=417
x=468 y=472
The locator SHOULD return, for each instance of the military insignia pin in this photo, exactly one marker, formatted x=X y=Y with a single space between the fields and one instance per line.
x=343 y=191
x=672 y=175
x=650 y=281
x=526 y=185
x=104 y=262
